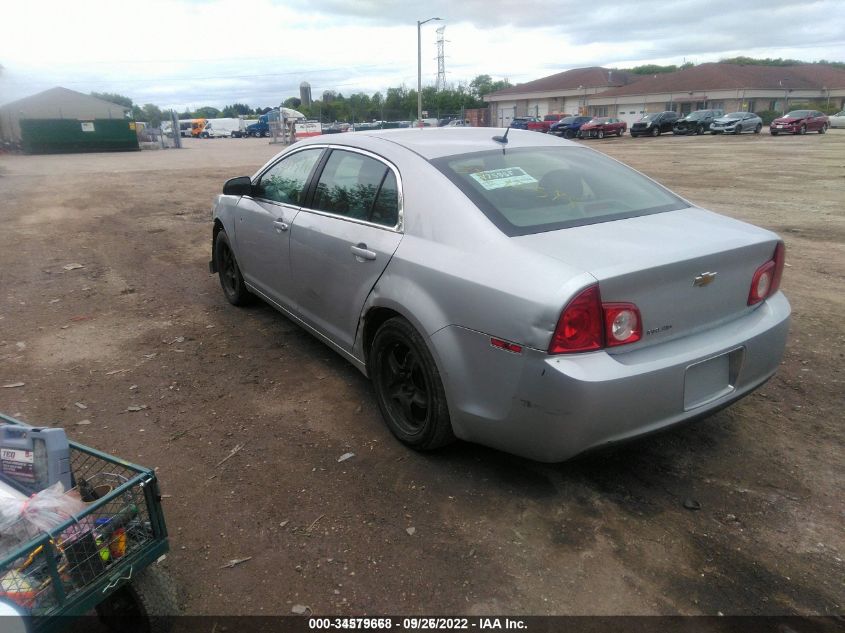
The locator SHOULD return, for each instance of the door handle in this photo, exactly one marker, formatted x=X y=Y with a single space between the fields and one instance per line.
x=281 y=225
x=362 y=252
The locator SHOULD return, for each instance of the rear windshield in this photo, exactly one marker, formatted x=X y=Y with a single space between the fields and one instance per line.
x=532 y=190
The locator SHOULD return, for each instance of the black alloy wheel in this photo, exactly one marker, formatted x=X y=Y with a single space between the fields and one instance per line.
x=231 y=280
x=408 y=388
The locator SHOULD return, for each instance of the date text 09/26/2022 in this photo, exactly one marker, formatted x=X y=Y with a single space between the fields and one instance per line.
x=416 y=624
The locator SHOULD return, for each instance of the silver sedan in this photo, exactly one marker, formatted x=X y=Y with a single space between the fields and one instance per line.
x=737 y=123
x=532 y=295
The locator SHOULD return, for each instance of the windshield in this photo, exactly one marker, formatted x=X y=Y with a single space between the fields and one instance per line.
x=650 y=117
x=569 y=119
x=698 y=114
x=735 y=115
x=798 y=114
x=532 y=190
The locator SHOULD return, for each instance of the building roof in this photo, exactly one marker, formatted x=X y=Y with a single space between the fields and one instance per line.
x=719 y=76
x=575 y=79
x=58 y=94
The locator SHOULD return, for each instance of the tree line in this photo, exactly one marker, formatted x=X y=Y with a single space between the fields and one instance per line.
x=395 y=104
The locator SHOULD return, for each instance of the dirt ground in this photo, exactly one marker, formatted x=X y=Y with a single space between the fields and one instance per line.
x=607 y=533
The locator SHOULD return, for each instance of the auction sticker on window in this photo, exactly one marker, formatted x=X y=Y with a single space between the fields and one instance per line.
x=507 y=177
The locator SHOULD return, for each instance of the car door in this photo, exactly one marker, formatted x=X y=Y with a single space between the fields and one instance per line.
x=343 y=239
x=264 y=220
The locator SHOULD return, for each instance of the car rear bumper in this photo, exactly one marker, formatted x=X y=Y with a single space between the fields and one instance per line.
x=550 y=408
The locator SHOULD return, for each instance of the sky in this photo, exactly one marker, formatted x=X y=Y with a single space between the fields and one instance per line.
x=184 y=54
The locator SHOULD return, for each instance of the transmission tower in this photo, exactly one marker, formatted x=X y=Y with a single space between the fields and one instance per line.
x=441 y=60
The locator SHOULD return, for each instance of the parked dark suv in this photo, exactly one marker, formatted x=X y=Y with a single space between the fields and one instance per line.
x=697 y=122
x=654 y=124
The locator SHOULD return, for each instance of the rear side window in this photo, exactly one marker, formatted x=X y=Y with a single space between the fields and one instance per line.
x=531 y=190
x=386 y=206
x=285 y=181
x=359 y=187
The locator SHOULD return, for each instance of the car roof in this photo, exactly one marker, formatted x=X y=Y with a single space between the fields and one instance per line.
x=431 y=143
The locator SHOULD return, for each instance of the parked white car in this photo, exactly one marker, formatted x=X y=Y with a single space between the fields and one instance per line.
x=838 y=119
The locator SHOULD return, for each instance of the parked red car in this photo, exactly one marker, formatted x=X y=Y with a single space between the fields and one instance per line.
x=546 y=123
x=800 y=122
x=602 y=126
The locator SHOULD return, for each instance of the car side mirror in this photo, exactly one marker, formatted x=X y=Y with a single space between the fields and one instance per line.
x=240 y=186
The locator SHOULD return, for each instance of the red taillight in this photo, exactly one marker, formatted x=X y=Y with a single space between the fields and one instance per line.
x=586 y=324
x=766 y=279
x=622 y=323
x=579 y=328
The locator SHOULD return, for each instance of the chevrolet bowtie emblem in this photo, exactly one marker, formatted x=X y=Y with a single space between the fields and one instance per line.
x=704 y=279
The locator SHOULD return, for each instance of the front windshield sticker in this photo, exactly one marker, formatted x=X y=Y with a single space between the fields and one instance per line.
x=498 y=178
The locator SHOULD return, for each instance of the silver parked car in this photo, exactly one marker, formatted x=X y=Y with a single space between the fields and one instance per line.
x=838 y=119
x=737 y=123
x=532 y=295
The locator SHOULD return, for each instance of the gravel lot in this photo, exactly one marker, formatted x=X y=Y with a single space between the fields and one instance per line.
x=606 y=533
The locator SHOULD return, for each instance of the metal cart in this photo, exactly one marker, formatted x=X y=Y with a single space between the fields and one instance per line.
x=103 y=558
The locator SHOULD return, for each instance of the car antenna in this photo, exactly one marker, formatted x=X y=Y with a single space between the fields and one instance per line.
x=503 y=139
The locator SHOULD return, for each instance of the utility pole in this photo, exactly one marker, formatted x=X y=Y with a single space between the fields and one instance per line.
x=174 y=128
x=419 y=69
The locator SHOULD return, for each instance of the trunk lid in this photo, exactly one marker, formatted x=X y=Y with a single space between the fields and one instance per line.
x=660 y=263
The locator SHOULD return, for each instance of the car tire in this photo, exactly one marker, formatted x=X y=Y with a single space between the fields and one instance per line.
x=803 y=129
x=408 y=387
x=568 y=134
x=823 y=129
x=633 y=135
x=619 y=133
x=699 y=130
x=655 y=131
x=738 y=128
x=231 y=280
x=758 y=128
x=773 y=133
x=600 y=133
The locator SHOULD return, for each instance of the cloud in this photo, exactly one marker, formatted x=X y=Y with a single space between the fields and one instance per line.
x=185 y=53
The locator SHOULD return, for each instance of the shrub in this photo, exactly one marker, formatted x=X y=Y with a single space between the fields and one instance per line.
x=768 y=116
